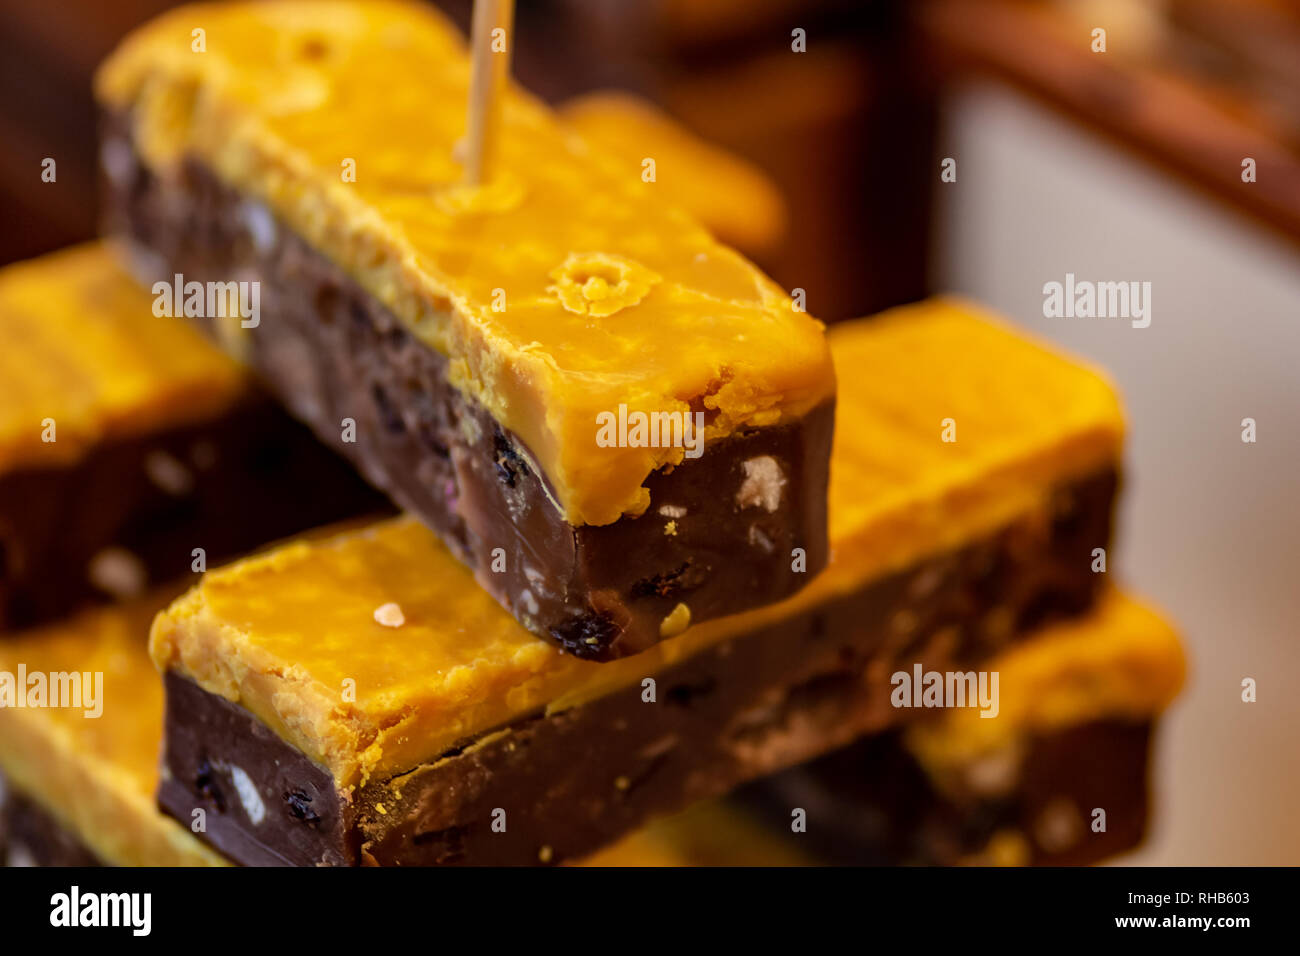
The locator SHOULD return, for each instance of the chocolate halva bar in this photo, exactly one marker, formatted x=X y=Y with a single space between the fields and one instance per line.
x=1082 y=700
x=1078 y=705
x=79 y=771
x=131 y=450
x=356 y=700
x=548 y=369
x=904 y=820
x=78 y=790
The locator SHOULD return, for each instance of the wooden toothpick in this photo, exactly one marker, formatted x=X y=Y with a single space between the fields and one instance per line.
x=486 y=83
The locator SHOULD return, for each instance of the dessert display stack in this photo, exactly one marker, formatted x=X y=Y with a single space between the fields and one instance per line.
x=356 y=513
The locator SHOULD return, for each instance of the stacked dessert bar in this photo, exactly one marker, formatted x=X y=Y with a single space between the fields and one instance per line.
x=131 y=452
x=574 y=629
x=1080 y=700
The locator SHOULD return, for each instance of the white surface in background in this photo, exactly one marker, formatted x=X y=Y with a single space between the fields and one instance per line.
x=1209 y=527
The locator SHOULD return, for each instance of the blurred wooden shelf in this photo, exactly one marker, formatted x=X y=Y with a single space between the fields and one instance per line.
x=1173 y=86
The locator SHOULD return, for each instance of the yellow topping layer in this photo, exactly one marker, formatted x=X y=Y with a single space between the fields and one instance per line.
x=97 y=776
x=288 y=99
x=733 y=198
x=291 y=634
x=1019 y=417
x=85 y=360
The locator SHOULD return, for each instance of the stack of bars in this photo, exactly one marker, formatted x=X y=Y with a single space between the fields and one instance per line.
x=574 y=643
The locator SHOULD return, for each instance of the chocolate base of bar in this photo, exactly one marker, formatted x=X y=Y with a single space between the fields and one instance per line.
x=873 y=804
x=565 y=783
x=145 y=503
x=332 y=353
x=870 y=804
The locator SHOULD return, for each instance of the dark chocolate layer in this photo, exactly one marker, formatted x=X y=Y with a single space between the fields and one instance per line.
x=331 y=352
x=132 y=511
x=565 y=783
x=872 y=803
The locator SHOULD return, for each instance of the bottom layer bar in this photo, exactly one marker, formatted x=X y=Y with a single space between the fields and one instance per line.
x=1077 y=704
x=1059 y=777
x=598 y=755
x=905 y=820
x=165 y=452
x=84 y=765
x=873 y=804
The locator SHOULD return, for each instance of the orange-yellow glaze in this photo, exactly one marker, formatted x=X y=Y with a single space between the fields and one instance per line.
x=288 y=98
x=97 y=776
x=1020 y=415
x=734 y=199
x=83 y=350
x=291 y=634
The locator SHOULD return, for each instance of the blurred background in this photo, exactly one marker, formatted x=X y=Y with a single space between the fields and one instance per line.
x=1117 y=165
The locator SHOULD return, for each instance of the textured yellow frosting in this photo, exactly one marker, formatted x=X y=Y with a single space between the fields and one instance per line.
x=82 y=347
x=291 y=634
x=733 y=198
x=610 y=295
x=96 y=776
x=1022 y=417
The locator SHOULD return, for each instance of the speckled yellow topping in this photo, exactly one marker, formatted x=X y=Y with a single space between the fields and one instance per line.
x=610 y=296
x=96 y=776
x=1020 y=417
x=83 y=348
x=279 y=633
x=734 y=199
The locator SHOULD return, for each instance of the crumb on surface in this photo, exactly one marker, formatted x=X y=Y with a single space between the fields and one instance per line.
x=390 y=615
